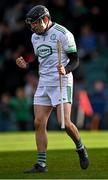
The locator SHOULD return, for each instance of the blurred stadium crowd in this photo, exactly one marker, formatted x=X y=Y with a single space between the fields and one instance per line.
x=86 y=19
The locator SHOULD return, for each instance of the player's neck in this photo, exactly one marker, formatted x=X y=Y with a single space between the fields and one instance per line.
x=49 y=24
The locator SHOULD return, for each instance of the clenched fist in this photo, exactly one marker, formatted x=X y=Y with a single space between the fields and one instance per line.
x=21 y=62
x=61 y=69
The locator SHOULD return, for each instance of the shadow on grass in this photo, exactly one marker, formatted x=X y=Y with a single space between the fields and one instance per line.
x=62 y=164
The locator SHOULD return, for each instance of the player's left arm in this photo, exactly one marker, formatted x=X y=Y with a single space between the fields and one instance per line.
x=73 y=63
x=69 y=47
x=71 y=66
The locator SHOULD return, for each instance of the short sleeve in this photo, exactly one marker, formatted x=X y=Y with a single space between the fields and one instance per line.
x=33 y=42
x=68 y=41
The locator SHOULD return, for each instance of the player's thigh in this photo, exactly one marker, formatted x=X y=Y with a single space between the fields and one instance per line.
x=67 y=111
x=41 y=96
x=67 y=93
x=42 y=113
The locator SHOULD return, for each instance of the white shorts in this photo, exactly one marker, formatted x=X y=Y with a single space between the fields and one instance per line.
x=50 y=95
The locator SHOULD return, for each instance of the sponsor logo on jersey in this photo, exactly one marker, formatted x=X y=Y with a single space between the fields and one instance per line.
x=44 y=50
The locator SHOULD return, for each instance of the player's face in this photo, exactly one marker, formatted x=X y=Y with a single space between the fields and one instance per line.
x=39 y=26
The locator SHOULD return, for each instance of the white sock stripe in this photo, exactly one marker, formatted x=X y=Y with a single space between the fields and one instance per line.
x=41 y=158
x=82 y=147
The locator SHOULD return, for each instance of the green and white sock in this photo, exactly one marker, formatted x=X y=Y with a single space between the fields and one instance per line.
x=79 y=144
x=42 y=159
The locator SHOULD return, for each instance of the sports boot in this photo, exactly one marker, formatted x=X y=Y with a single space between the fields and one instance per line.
x=37 y=168
x=83 y=157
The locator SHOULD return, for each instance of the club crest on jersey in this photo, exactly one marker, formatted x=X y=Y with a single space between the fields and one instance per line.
x=53 y=37
x=44 y=50
x=37 y=38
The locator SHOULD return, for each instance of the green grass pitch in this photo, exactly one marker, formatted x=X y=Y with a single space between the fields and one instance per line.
x=18 y=152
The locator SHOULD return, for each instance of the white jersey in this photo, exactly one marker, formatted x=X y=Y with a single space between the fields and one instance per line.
x=45 y=47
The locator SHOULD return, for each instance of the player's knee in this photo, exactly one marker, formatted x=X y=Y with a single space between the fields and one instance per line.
x=36 y=123
x=68 y=123
x=39 y=124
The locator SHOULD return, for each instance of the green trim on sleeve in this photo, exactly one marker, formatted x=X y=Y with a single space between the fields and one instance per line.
x=69 y=50
x=59 y=28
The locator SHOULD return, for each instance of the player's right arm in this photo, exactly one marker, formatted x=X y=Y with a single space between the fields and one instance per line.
x=21 y=62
